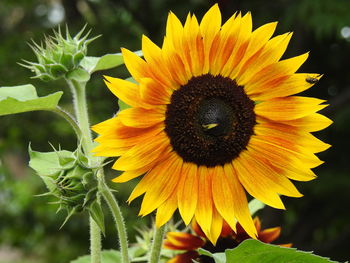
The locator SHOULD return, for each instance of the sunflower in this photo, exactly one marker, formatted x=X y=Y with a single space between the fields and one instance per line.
x=228 y=239
x=211 y=117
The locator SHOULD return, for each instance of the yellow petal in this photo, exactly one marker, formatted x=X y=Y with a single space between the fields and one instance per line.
x=157 y=65
x=153 y=92
x=273 y=71
x=258 y=40
x=106 y=125
x=216 y=227
x=269 y=54
x=142 y=118
x=261 y=190
x=151 y=177
x=126 y=91
x=288 y=108
x=166 y=210
x=187 y=192
x=209 y=28
x=204 y=210
x=143 y=154
x=161 y=189
x=240 y=202
x=311 y=123
x=137 y=67
x=282 y=87
x=131 y=174
x=224 y=199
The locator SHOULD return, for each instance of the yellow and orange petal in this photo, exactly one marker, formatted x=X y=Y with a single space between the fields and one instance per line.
x=213 y=116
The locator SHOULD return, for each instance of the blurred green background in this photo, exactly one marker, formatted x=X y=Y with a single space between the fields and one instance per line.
x=29 y=227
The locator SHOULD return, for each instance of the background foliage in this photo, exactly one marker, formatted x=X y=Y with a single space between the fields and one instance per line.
x=29 y=227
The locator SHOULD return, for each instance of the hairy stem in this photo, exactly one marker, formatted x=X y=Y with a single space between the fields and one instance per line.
x=80 y=106
x=81 y=112
x=157 y=244
x=118 y=218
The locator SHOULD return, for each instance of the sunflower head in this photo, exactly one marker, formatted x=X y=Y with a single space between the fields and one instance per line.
x=213 y=115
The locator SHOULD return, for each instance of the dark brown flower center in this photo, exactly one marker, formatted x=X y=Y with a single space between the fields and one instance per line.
x=209 y=120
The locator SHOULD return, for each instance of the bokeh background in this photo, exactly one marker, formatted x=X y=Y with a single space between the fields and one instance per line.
x=29 y=227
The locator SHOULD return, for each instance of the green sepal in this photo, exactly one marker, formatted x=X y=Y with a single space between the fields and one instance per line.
x=107 y=256
x=96 y=213
x=23 y=98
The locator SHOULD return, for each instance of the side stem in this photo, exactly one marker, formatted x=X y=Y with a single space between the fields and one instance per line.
x=157 y=244
x=70 y=119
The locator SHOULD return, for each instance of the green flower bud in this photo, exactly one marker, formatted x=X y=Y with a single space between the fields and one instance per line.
x=58 y=55
x=71 y=180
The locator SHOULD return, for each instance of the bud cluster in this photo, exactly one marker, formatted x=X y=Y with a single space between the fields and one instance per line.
x=58 y=56
x=70 y=180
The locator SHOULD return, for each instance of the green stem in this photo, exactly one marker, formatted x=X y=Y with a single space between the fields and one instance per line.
x=118 y=218
x=81 y=112
x=78 y=90
x=95 y=241
x=157 y=244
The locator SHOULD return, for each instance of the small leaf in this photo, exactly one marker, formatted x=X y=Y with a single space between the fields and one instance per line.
x=255 y=205
x=78 y=74
x=107 y=256
x=252 y=251
x=24 y=98
x=96 y=213
x=108 y=61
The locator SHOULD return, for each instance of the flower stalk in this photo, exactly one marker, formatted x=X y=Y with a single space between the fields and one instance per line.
x=81 y=111
x=118 y=218
x=157 y=244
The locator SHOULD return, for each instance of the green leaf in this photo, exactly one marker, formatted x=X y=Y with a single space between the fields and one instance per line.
x=79 y=74
x=218 y=257
x=96 y=213
x=24 y=98
x=255 y=205
x=49 y=163
x=253 y=251
x=108 y=61
x=107 y=256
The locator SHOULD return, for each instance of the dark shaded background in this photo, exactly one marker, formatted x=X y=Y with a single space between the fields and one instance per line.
x=29 y=227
